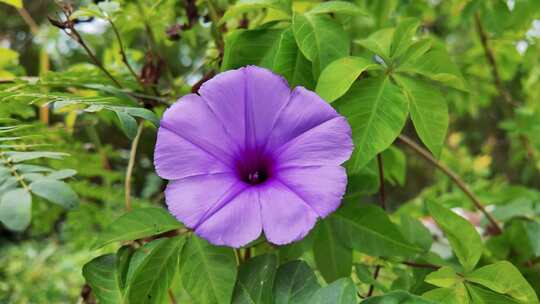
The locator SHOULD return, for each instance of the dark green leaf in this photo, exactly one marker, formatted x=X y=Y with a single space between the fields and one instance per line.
x=245 y=47
x=291 y=63
x=333 y=259
x=127 y=123
x=255 y=280
x=295 y=284
x=137 y=224
x=415 y=232
x=342 y=291
x=365 y=276
x=100 y=274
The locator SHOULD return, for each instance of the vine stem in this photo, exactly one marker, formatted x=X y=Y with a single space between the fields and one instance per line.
x=131 y=164
x=454 y=177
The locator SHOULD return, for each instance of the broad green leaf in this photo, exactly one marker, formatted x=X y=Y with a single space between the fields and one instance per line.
x=333 y=259
x=480 y=295
x=137 y=224
x=321 y=39
x=123 y=261
x=207 y=272
x=100 y=274
x=291 y=63
x=429 y=111
x=505 y=278
x=379 y=43
x=127 y=123
x=154 y=275
x=16 y=209
x=533 y=233
x=397 y=297
x=256 y=280
x=444 y=277
x=15 y=3
x=403 y=36
x=372 y=232
x=438 y=66
x=415 y=232
x=455 y=295
x=339 y=75
x=295 y=284
x=245 y=6
x=365 y=276
x=465 y=241
x=342 y=291
x=376 y=110
x=55 y=192
x=245 y=47
x=416 y=50
x=394 y=165
x=338 y=7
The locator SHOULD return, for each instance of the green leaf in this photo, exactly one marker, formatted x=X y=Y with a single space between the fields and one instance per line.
x=376 y=110
x=333 y=259
x=379 y=43
x=141 y=113
x=321 y=39
x=100 y=274
x=415 y=232
x=398 y=297
x=245 y=47
x=463 y=238
x=394 y=165
x=444 y=277
x=245 y=6
x=8 y=56
x=16 y=209
x=155 y=273
x=403 y=36
x=339 y=75
x=15 y=3
x=533 y=233
x=137 y=224
x=127 y=123
x=455 y=295
x=338 y=7
x=429 y=112
x=62 y=174
x=373 y=233
x=295 y=284
x=123 y=260
x=365 y=276
x=255 y=280
x=342 y=291
x=505 y=278
x=18 y=157
x=207 y=272
x=416 y=50
x=56 y=192
x=291 y=63
x=480 y=295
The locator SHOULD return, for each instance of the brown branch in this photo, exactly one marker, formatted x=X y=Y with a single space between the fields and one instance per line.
x=490 y=57
x=131 y=164
x=375 y=276
x=454 y=177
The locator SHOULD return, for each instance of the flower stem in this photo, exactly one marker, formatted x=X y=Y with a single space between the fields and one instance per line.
x=131 y=164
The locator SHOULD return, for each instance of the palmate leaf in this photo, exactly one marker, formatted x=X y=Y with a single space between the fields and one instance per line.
x=207 y=272
x=255 y=280
x=339 y=75
x=504 y=278
x=479 y=295
x=321 y=39
x=465 y=241
x=457 y=294
x=376 y=110
x=139 y=223
x=291 y=63
x=429 y=111
x=332 y=257
x=372 y=232
x=155 y=273
x=295 y=283
x=100 y=274
x=255 y=47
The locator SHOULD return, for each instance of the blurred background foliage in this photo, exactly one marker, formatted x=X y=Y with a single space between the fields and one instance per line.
x=493 y=141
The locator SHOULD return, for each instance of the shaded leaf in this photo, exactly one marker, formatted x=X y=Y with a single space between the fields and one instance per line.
x=291 y=63
x=255 y=280
x=100 y=274
x=342 y=291
x=16 y=209
x=295 y=283
x=333 y=259
x=56 y=192
x=245 y=47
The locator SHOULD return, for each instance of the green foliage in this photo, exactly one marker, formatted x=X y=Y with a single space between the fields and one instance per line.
x=458 y=77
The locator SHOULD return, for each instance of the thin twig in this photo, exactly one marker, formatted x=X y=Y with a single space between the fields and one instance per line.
x=375 y=276
x=131 y=164
x=490 y=57
x=455 y=178
x=421 y=265
x=124 y=56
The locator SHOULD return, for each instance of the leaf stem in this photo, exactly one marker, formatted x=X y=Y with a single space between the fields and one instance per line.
x=14 y=172
x=131 y=164
x=454 y=177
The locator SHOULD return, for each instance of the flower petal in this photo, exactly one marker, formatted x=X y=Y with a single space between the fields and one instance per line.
x=192 y=120
x=247 y=101
x=285 y=216
x=304 y=111
x=320 y=187
x=193 y=198
x=329 y=143
x=237 y=223
x=176 y=158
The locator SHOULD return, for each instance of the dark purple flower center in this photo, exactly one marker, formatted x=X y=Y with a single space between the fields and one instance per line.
x=254 y=169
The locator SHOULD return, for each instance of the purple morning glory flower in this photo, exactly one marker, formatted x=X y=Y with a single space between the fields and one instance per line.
x=248 y=155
